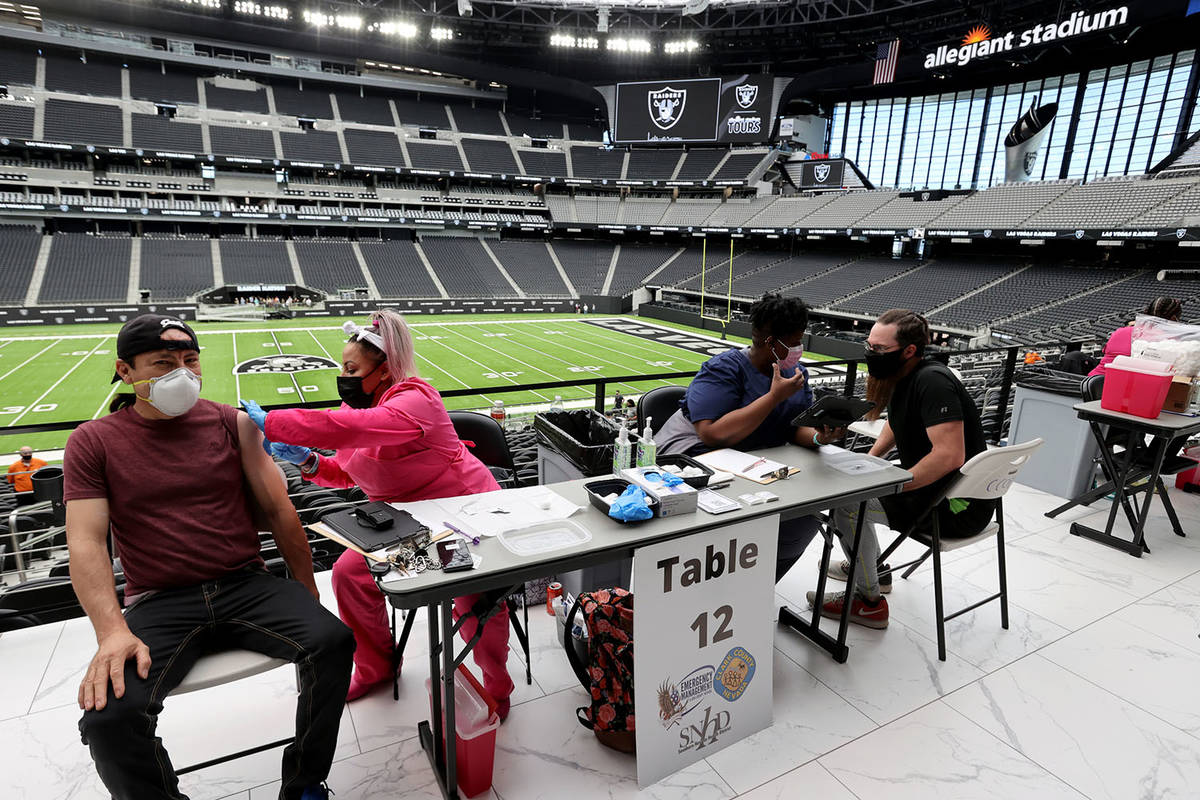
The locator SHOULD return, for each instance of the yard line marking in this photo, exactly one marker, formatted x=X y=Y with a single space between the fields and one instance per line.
x=511 y=357
x=29 y=407
x=662 y=381
x=291 y=375
x=237 y=381
x=108 y=399
x=31 y=358
x=564 y=361
x=485 y=367
x=449 y=375
x=318 y=341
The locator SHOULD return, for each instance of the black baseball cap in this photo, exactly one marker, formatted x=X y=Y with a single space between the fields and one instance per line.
x=144 y=333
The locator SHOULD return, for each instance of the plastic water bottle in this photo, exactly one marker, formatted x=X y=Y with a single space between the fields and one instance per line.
x=557 y=405
x=621 y=451
x=499 y=414
x=647 y=453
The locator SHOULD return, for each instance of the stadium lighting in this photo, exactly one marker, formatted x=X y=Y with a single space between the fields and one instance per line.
x=681 y=46
x=620 y=44
x=26 y=12
x=260 y=10
x=319 y=19
x=398 y=28
x=575 y=42
x=441 y=34
x=201 y=3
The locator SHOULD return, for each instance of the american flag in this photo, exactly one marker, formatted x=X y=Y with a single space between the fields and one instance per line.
x=886 y=55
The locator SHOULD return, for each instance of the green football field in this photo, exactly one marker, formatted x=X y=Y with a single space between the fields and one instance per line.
x=62 y=373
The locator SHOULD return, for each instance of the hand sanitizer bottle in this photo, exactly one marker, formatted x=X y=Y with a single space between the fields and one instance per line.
x=621 y=451
x=647 y=449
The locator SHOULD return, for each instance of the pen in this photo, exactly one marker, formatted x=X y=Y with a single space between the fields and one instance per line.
x=755 y=464
x=462 y=533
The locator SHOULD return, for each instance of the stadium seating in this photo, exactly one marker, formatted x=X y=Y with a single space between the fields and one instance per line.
x=152 y=132
x=154 y=82
x=380 y=148
x=397 y=269
x=634 y=263
x=16 y=120
x=930 y=286
x=254 y=101
x=18 y=64
x=908 y=212
x=543 y=163
x=255 y=261
x=1105 y=202
x=739 y=165
x=530 y=265
x=421 y=114
x=464 y=268
x=241 y=141
x=595 y=208
x=643 y=211
x=98 y=76
x=84 y=123
x=478 y=119
x=490 y=155
x=699 y=164
x=1025 y=290
x=328 y=265
x=368 y=109
x=586 y=263
x=83 y=268
x=848 y=279
x=311 y=145
x=653 y=164
x=847 y=209
x=594 y=162
x=427 y=155
x=522 y=125
x=787 y=212
x=796 y=269
x=313 y=103
x=176 y=268
x=1005 y=206
x=19 y=246
x=1181 y=210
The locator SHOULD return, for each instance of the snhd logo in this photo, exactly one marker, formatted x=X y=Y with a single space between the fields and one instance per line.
x=666 y=106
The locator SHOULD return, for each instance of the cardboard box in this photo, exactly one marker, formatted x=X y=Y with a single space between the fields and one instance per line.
x=678 y=499
x=1178 y=394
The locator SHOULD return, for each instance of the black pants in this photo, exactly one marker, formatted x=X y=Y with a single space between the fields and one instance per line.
x=250 y=610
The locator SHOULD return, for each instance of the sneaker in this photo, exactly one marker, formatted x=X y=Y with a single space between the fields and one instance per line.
x=841 y=570
x=862 y=612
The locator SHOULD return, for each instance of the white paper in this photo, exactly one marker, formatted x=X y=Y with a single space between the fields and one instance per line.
x=851 y=463
x=747 y=465
x=492 y=513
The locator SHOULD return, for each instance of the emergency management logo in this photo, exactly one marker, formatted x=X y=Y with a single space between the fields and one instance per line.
x=284 y=364
x=746 y=94
x=666 y=106
x=734 y=674
x=677 y=699
x=821 y=172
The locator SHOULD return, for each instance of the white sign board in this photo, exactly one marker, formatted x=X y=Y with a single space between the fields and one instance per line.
x=704 y=637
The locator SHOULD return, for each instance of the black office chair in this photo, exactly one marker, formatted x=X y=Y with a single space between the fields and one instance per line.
x=658 y=405
x=36 y=602
x=485 y=439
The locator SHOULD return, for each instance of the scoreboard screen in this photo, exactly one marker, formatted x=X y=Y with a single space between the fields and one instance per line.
x=732 y=109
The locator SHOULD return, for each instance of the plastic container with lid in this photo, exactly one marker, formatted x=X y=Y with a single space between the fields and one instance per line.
x=1136 y=386
x=476 y=722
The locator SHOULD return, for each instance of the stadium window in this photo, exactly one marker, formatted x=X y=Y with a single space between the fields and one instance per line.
x=837 y=131
x=908 y=160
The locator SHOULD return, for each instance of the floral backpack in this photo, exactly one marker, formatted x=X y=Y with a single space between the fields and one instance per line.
x=608 y=675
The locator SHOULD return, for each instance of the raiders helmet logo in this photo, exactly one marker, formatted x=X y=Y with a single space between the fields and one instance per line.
x=1078 y=234
x=924 y=195
x=821 y=172
x=987 y=233
x=1030 y=161
x=284 y=364
x=666 y=106
x=1180 y=233
x=746 y=94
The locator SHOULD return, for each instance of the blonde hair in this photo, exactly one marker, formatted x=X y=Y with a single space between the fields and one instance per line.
x=398 y=348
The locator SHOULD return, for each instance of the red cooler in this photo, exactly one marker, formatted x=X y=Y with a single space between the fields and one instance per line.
x=476 y=722
x=1136 y=386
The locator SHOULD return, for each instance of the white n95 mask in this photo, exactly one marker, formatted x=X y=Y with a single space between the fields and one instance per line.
x=175 y=393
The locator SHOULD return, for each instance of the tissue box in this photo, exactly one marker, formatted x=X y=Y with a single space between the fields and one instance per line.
x=1178 y=394
x=672 y=500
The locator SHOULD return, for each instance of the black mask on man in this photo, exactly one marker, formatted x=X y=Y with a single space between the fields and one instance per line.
x=885 y=365
x=350 y=389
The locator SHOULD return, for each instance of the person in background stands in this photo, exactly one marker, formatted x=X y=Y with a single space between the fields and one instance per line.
x=934 y=426
x=20 y=472
x=747 y=398
x=174 y=480
x=1120 y=343
x=395 y=441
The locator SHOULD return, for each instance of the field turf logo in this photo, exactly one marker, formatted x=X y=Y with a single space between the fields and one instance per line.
x=282 y=364
x=979 y=42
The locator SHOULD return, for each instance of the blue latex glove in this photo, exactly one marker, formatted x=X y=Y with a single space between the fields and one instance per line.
x=665 y=478
x=292 y=453
x=257 y=415
x=630 y=506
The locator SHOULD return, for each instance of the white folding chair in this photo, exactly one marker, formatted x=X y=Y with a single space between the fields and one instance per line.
x=986 y=476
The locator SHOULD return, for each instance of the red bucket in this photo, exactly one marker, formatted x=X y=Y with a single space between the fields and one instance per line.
x=1136 y=386
x=476 y=722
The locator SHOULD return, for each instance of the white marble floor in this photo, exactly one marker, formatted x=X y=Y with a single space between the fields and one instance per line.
x=1091 y=693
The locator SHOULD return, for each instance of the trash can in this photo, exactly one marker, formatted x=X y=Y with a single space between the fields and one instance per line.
x=1043 y=406
x=579 y=444
x=475 y=725
x=48 y=486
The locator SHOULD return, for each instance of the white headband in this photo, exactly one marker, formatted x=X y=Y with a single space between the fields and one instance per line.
x=359 y=332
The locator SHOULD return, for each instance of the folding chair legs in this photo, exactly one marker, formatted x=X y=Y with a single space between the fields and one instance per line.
x=939 y=609
x=522 y=632
x=1003 y=566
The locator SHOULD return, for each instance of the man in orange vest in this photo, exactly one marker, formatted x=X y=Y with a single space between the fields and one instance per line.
x=20 y=473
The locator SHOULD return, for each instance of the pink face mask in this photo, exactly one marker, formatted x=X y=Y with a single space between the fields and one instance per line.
x=794 y=354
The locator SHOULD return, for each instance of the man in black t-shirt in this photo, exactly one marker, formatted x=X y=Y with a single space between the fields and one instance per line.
x=934 y=426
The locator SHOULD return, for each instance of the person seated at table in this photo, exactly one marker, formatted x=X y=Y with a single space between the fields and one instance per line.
x=935 y=427
x=173 y=478
x=1120 y=343
x=747 y=398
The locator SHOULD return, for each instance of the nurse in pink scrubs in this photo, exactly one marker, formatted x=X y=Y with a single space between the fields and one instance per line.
x=395 y=441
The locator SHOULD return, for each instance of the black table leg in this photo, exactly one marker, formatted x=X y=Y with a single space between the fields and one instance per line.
x=810 y=628
x=434 y=733
x=1137 y=545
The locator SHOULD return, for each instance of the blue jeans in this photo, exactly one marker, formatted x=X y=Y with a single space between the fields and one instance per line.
x=249 y=610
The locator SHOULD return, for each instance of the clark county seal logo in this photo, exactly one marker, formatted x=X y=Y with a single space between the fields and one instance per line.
x=283 y=364
x=734 y=674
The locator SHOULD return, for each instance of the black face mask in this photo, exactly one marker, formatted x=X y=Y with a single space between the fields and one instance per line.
x=885 y=365
x=350 y=389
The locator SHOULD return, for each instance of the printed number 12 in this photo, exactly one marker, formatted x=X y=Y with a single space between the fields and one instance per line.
x=700 y=625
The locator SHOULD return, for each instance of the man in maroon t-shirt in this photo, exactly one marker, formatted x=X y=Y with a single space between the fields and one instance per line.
x=172 y=477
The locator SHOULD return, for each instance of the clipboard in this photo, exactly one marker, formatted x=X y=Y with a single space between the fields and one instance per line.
x=745 y=465
x=834 y=411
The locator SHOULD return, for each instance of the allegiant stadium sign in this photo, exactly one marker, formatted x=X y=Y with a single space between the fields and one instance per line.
x=979 y=42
